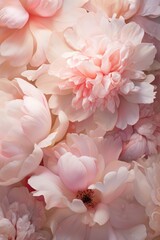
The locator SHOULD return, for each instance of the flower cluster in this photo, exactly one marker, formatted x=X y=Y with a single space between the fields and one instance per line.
x=79 y=120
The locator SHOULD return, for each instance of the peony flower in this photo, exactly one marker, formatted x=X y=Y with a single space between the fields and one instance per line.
x=80 y=180
x=99 y=71
x=146 y=13
x=147 y=185
x=125 y=8
x=22 y=217
x=143 y=138
x=25 y=28
x=25 y=126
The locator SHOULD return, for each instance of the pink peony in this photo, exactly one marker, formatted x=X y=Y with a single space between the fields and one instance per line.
x=147 y=190
x=143 y=138
x=21 y=216
x=25 y=28
x=99 y=71
x=126 y=8
x=146 y=13
x=81 y=180
x=25 y=127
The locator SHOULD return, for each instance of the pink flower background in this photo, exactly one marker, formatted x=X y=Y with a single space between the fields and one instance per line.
x=80 y=120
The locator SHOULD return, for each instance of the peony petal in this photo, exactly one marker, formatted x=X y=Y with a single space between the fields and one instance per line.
x=72 y=172
x=128 y=114
x=143 y=92
x=41 y=36
x=143 y=51
x=13 y=16
x=43 y=8
x=48 y=185
x=67 y=231
x=132 y=32
x=105 y=119
x=18 y=48
x=142 y=189
x=77 y=206
x=101 y=215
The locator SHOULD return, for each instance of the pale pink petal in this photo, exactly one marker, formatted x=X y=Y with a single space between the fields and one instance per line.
x=134 y=149
x=101 y=215
x=53 y=52
x=142 y=93
x=13 y=16
x=16 y=170
x=18 y=48
x=32 y=75
x=149 y=8
x=59 y=130
x=70 y=4
x=132 y=32
x=128 y=114
x=77 y=206
x=72 y=172
x=41 y=36
x=112 y=181
x=57 y=103
x=141 y=187
x=150 y=26
x=36 y=117
x=136 y=233
x=44 y=8
x=48 y=185
x=106 y=119
x=142 y=51
x=66 y=229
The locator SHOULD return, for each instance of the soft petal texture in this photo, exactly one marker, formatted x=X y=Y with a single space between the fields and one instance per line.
x=24 y=111
x=21 y=216
x=146 y=13
x=13 y=16
x=25 y=28
x=76 y=173
x=147 y=189
x=99 y=73
x=143 y=138
x=80 y=183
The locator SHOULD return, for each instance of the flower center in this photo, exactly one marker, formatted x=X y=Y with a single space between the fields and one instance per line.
x=88 y=197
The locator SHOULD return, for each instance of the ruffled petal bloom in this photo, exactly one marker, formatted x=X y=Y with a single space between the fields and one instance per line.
x=80 y=181
x=147 y=190
x=99 y=73
x=25 y=28
x=25 y=122
x=21 y=216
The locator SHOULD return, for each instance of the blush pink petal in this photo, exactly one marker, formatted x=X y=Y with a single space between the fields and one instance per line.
x=13 y=16
x=98 y=69
x=17 y=168
x=142 y=93
x=112 y=181
x=76 y=173
x=17 y=48
x=49 y=186
x=126 y=116
x=135 y=148
x=66 y=230
x=43 y=8
x=41 y=36
x=101 y=215
x=24 y=110
x=22 y=216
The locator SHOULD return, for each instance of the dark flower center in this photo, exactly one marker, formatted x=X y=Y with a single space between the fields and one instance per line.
x=87 y=197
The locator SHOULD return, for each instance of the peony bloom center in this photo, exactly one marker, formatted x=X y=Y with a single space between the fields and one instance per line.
x=88 y=197
x=95 y=80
